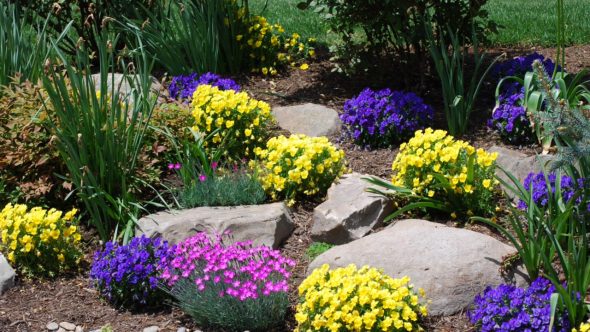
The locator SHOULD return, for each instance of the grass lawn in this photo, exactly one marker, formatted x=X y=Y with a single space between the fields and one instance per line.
x=533 y=22
x=526 y=22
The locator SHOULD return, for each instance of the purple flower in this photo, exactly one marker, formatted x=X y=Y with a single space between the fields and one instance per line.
x=183 y=86
x=510 y=120
x=381 y=118
x=518 y=66
x=544 y=189
x=508 y=308
x=127 y=275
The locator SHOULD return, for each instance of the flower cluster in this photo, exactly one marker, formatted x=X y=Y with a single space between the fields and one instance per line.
x=540 y=186
x=127 y=275
x=40 y=241
x=510 y=120
x=434 y=164
x=347 y=299
x=235 y=286
x=518 y=66
x=269 y=48
x=508 y=308
x=380 y=118
x=298 y=165
x=241 y=122
x=184 y=86
x=584 y=327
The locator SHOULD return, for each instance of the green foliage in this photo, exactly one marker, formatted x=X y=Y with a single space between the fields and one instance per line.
x=23 y=45
x=189 y=35
x=397 y=27
x=29 y=162
x=100 y=132
x=459 y=91
x=317 y=248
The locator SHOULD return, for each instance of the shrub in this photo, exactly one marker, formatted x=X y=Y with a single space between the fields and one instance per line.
x=381 y=118
x=357 y=300
x=509 y=308
x=235 y=286
x=450 y=174
x=539 y=185
x=227 y=187
x=128 y=275
x=183 y=86
x=299 y=165
x=242 y=122
x=511 y=121
x=270 y=49
x=39 y=241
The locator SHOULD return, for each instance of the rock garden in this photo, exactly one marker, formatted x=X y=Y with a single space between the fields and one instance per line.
x=226 y=165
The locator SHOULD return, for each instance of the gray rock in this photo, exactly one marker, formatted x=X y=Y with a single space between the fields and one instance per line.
x=181 y=329
x=79 y=329
x=309 y=119
x=7 y=275
x=61 y=329
x=124 y=86
x=68 y=326
x=266 y=224
x=452 y=265
x=349 y=212
x=152 y=329
x=52 y=326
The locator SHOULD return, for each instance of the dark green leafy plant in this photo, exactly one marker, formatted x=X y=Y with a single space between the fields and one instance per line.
x=459 y=91
x=101 y=131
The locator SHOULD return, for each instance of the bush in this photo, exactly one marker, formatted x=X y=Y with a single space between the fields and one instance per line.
x=241 y=122
x=227 y=187
x=509 y=308
x=511 y=121
x=183 y=86
x=357 y=300
x=128 y=275
x=270 y=49
x=235 y=286
x=382 y=118
x=39 y=241
x=298 y=165
x=435 y=165
x=540 y=185
x=397 y=27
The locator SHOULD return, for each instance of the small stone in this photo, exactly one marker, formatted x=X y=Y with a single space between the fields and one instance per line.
x=152 y=329
x=181 y=329
x=79 y=329
x=61 y=329
x=52 y=326
x=67 y=326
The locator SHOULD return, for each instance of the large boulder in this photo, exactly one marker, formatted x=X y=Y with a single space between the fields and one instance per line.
x=518 y=163
x=451 y=264
x=266 y=224
x=349 y=212
x=7 y=275
x=310 y=119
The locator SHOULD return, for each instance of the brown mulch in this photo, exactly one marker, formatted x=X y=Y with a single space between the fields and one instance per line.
x=32 y=304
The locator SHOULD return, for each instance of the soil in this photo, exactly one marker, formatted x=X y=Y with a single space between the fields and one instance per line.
x=33 y=303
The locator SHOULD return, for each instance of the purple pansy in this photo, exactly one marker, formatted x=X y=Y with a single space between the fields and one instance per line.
x=540 y=191
x=183 y=86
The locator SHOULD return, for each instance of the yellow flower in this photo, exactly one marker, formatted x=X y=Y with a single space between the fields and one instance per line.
x=486 y=183
x=304 y=66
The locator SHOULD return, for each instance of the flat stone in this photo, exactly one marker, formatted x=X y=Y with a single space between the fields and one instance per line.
x=68 y=326
x=151 y=329
x=310 y=119
x=451 y=264
x=349 y=212
x=52 y=326
x=265 y=224
x=7 y=275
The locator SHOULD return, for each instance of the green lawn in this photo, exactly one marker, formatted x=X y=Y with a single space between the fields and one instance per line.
x=533 y=22
x=526 y=22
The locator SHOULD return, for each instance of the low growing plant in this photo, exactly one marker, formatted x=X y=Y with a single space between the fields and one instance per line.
x=298 y=165
x=347 y=299
x=382 y=118
x=40 y=242
x=435 y=171
x=240 y=123
x=510 y=308
x=511 y=121
x=231 y=286
x=128 y=275
x=542 y=186
x=184 y=86
x=316 y=249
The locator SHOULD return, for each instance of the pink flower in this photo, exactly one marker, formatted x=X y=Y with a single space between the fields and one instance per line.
x=202 y=178
x=214 y=165
x=174 y=166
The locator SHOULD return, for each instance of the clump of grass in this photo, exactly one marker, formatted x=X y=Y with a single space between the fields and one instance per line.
x=232 y=189
x=316 y=249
